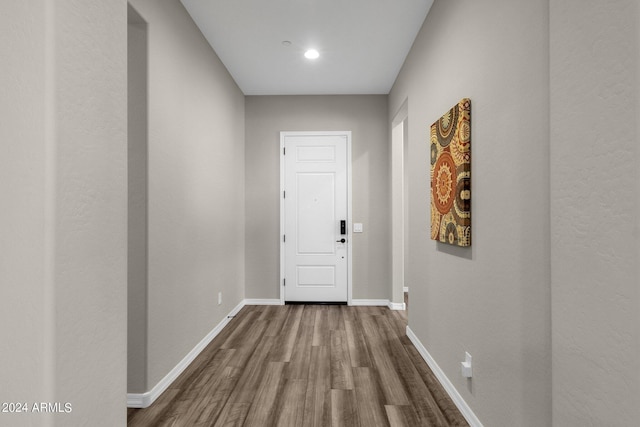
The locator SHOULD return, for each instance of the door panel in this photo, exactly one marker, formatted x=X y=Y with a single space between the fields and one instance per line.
x=315 y=183
x=315 y=154
x=318 y=275
x=315 y=212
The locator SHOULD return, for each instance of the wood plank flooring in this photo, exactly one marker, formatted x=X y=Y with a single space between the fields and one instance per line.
x=306 y=365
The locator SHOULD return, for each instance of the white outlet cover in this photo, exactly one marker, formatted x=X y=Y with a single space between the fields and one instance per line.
x=466 y=366
x=357 y=227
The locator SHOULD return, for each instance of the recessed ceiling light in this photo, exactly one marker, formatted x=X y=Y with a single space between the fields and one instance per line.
x=311 y=54
x=286 y=43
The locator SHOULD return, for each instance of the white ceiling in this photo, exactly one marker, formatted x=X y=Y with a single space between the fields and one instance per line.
x=362 y=43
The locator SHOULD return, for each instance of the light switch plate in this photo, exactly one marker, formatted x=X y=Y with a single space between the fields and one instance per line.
x=357 y=227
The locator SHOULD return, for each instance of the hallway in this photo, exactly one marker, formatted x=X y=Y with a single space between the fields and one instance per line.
x=545 y=300
x=306 y=365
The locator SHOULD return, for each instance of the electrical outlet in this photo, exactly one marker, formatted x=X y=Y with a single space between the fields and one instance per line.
x=219 y=298
x=466 y=366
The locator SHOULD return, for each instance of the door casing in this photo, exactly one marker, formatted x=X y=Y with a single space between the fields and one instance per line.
x=347 y=135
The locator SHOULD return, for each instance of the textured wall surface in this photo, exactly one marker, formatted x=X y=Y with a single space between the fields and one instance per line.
x=196 y=187
x=63 y=250
x=366 y=117
x=492 y=299
x=90 y=217
x=26 y=368
x=595 y=190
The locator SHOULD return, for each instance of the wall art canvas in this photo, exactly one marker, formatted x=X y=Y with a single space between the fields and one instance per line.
x=451 y=176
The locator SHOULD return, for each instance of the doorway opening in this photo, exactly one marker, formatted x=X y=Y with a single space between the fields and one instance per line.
x=399 y=211
x=137 y=141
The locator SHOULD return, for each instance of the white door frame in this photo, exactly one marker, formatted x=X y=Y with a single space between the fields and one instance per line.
x=347 y=135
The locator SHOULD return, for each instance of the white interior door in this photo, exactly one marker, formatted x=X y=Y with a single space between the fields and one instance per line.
x=315 y=247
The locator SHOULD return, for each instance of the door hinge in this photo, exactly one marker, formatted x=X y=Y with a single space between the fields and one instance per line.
x=284 y=282
x=284 y=194
x=284 y=237
x=284 y=151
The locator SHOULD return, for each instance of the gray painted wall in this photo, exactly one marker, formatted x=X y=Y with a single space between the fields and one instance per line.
x=26 y=371
x=195 y=188
x=595 y=193
x=366 y=117
x=492 y=299
x=138 y=202
x=63 y=222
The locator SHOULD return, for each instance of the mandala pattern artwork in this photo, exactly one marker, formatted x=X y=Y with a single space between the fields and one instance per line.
x=451 y=176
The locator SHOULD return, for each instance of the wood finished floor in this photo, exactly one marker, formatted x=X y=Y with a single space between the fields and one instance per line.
x=306 y=365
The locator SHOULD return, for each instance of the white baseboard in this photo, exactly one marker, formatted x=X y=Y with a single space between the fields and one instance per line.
x=138 y=400
x=405 y=289
x=379 y=302
x=397 y=306
x=370 y=302
x=144 y=400
x=274 y=301
x=466 y=411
